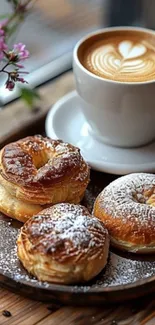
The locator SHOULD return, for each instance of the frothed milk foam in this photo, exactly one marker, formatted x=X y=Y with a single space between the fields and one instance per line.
x=127 y=55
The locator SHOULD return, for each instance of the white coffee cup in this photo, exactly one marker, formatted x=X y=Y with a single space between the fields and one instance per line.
x=119 y=113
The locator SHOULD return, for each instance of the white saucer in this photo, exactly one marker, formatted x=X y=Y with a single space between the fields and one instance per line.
x=66 y=121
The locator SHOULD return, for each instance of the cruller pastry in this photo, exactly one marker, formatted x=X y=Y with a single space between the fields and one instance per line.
x=127 y=208
x=63 y=244
x=36 y=172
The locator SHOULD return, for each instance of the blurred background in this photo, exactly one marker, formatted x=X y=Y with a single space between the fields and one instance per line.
x=53 y=27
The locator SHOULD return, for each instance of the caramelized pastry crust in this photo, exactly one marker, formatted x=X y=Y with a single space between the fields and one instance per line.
x=127 y=208
x=63 y=244
x=40 y=171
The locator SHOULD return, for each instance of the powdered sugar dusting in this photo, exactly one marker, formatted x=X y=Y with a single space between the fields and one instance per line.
x=66 y=228
x=128 y=197
x=123 y=270
x=119 y=270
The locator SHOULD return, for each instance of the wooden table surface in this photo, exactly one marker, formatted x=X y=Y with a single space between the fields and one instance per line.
x=16 y=119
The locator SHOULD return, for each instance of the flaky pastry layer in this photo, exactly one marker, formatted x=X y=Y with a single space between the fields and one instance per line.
x=15 y=208
x=40 y=171
x=63 y=244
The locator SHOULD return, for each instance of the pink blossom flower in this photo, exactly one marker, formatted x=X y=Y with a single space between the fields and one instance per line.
x=10 y=85
x=20 y=66
x=1 y=32
x=22 y=80
x=14 y=77
x=20 y=50
x=3 y=47
x=3 y=22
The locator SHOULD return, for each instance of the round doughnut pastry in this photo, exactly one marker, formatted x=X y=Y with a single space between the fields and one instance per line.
x=63 y=244
x=127 y=208
x=39 y=172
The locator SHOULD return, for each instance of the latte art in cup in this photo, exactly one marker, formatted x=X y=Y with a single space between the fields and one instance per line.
x=114 y=71
x=127 y=56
